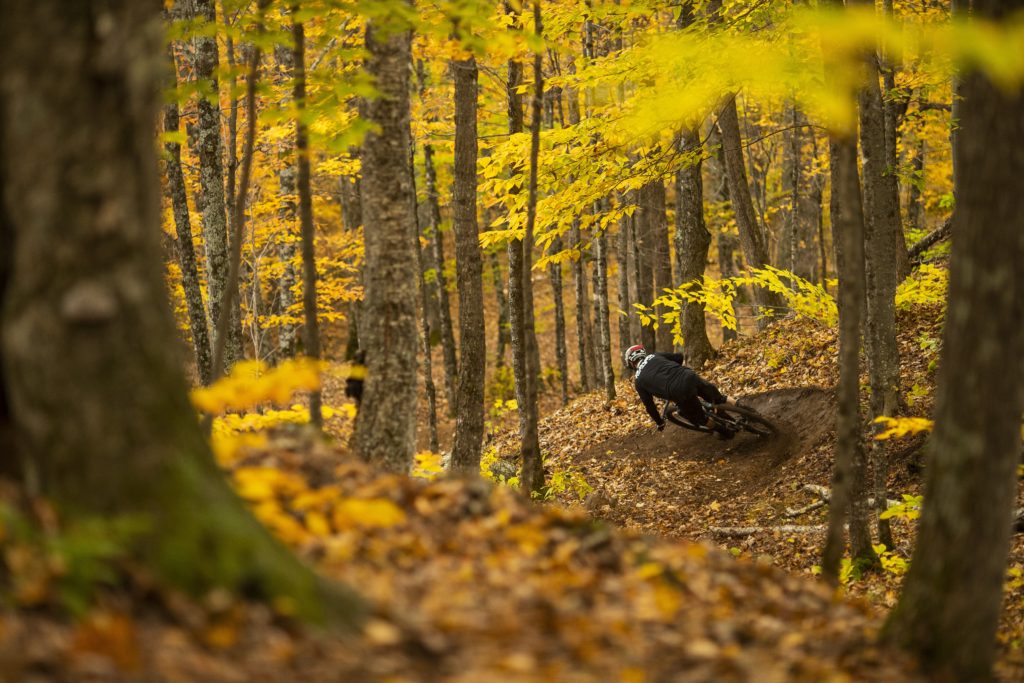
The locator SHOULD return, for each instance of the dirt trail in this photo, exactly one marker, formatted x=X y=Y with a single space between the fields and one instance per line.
x=679 y=482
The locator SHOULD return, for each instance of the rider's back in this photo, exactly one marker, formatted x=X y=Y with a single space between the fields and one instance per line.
x=660 y=375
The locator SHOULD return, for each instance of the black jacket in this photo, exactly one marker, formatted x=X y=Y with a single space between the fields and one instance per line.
x=663 y=375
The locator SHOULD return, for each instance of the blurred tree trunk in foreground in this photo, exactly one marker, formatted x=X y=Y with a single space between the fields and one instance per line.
x=88 y=360
x=949 y=609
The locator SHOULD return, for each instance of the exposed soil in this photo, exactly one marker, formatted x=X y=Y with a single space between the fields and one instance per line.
x=705 y=472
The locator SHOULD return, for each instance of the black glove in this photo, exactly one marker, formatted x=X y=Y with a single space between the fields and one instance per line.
x=661 y=426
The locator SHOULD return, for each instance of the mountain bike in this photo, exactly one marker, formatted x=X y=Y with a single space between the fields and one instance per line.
x=733 y=418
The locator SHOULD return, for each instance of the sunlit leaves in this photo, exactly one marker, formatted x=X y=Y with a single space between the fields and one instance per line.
x=252 y=383
x=898 y=427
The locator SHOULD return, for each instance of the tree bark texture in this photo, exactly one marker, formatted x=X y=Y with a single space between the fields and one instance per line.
x=796 y=246
x=448 y=350
x=949 y=609
x=623 y=315
x=584 y=328
x=190 y=277
x=752 y=238
x=503 y=338
x=469 y=397
x=653 y=200
x=286 y=213
x=210 y=150
x=532 y=473
x=561 y=353
x=601 y=320
x=849 y=476
x=882 y=225
x=103 y=422
x=725 y=243
x=692 y=243
x=428 y=363
x=643 y=252
x=386 y=423
x=310 y=325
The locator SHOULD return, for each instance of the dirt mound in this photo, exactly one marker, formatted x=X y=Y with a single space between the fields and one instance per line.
x=675 y=481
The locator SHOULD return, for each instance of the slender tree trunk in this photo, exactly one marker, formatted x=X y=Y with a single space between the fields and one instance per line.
x=692 y=242
x=469 y=398
x=428 y=364
x=893 y=103
x=310 y=326
x=949 y=609
x=448 y=351
x=644 y=253
x=504 y=334
x=561 y=353
x=186 y=251
x=385 y=428
x=352 y=221
x=661 y=254
x=725 y=243
x=752 y=239
x=286 y=213
x=849 y=476
x=915 y=210
x=883 y=229
x=122 y=440
x=532 y=474
x=211 y=176
x=584 y=330
x=604 y=336
x=624 y=317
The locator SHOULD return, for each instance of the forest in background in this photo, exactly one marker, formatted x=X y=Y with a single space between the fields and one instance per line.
x=469 y=210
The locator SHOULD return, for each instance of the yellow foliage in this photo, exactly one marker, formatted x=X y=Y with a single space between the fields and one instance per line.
x=252 y=383
x=925 y=286
x=359 y=513
x=897 y=427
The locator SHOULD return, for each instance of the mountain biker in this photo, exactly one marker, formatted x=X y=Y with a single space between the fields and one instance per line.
x=663 y=375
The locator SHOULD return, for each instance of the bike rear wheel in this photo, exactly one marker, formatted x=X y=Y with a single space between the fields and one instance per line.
x=747 y=419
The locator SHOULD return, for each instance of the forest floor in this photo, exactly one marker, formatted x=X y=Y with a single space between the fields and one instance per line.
x=634 y=580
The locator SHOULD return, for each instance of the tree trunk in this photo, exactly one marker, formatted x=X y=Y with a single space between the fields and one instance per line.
x=286 y=217
x=883 y=229
x=915 y=209
x=624 y=316
x=504 y=336
x=561 y=353
x=752 y=239
x=849 y=476
x=386 y=423
x=604 y=332
x=796 y=252
x=469 y=398
x=186 y=251
x=725 y=242
x=448 y=350
x=532 y=473
x=211 y=176
x=643 y=252
x=949 y=610
x=310 y=326
x=894 y=105
x=692 y=242
x=119 y=438
x=428 y=364
x=661 y=253
x=584 y=330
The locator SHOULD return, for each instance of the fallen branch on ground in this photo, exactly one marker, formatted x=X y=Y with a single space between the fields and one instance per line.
x=741 y=531
x=937 y=235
